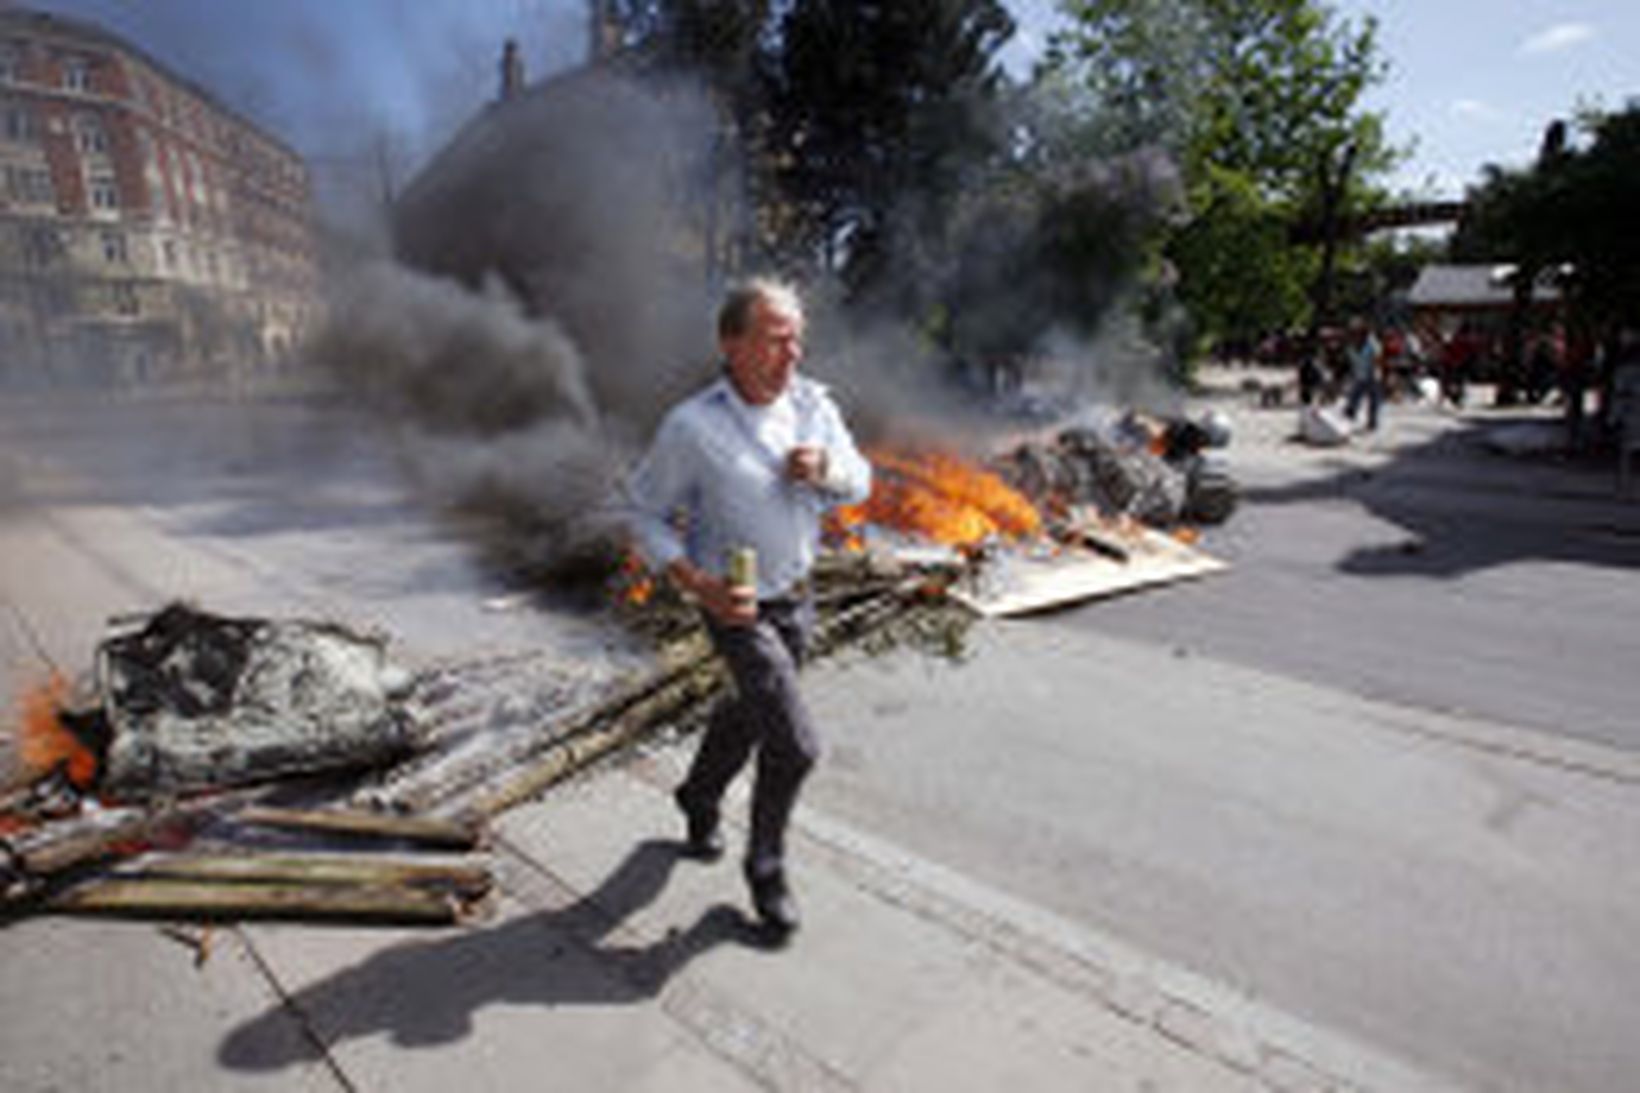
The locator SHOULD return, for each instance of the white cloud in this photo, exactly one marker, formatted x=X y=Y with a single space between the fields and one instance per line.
x=1476 y=110
x=1556 y=38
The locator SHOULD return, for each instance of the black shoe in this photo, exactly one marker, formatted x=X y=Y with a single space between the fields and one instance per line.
x=773 y=901
x=703 y=841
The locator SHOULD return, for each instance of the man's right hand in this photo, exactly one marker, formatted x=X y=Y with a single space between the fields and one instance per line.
x=729 y=604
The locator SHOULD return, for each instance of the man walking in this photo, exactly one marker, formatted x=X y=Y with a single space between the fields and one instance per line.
x=1363 y=356
x=748 y=465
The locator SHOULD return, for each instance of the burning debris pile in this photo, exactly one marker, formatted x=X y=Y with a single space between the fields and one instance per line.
x=1161 y=472
x=1054 y=520
x=153 y=794
x=233 y=768
x=227 y=768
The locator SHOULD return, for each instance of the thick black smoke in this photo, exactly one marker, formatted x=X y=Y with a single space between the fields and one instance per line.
x=555 y=287
x=548 y=305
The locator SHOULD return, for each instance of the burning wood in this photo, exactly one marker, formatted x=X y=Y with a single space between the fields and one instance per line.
x=1058 y=520
x=939 y=496
x=188 y=702
x=1158 y=472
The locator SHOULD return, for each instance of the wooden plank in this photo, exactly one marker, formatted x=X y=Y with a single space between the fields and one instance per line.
x=1020 y=584
x=63 y=844
x=681 y=691
x=154 y=898
x=426 y=831
x=464 y=878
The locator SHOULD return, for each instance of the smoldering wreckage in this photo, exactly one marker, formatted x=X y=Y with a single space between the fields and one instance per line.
x=211 y=769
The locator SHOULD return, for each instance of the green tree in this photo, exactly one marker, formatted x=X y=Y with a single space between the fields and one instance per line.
x=878 y=115
x=1573 y=216
x=1259 y=101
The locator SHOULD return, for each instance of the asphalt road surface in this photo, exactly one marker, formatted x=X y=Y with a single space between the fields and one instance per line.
x=1430 y=572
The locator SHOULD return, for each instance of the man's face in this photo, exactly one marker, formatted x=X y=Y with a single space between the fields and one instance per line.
x=763 y=357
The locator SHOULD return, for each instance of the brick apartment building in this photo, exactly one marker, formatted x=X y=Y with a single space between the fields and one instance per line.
x=146 y=232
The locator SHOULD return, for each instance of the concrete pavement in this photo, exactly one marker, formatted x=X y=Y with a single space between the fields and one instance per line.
x=612 y=963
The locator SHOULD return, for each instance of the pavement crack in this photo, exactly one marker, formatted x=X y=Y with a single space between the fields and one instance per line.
x=304 y=1021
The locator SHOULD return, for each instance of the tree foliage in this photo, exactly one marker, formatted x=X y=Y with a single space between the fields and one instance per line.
x=877 y=116
x=1574 y=212
x=1258 y=100
x=858 y=122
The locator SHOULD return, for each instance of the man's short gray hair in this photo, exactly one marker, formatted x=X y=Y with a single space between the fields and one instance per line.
x=736 y=313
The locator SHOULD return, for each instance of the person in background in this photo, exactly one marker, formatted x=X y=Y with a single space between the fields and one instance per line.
x=748 y=466
x=1456 y=358
x=1362 y=358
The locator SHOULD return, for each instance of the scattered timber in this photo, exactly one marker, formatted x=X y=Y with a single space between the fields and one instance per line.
x=466 y=879
x=490 y=741
x=64 y=844
x=676 y=694
x=669 y=697
x=449 y=834
x=172 y=899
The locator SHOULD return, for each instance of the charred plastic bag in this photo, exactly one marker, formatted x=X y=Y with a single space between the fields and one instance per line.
x=195 y=701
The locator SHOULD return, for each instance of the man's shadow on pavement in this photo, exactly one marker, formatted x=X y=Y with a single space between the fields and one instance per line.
x=426 y=993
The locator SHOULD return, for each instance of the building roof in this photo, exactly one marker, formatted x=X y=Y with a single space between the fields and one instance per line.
x=1474 y=286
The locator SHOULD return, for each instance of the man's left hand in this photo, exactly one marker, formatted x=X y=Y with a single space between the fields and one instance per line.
x=806 y=463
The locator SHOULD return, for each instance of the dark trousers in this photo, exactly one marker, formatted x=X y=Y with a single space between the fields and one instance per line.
x=1369 y=390
x=766 y=714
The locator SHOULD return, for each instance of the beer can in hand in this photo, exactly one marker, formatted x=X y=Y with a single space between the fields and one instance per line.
x=743 y=567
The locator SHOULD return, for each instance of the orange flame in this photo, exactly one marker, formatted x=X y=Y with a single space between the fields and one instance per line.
x=44 y=742
x=938 y=496
x=633 y=584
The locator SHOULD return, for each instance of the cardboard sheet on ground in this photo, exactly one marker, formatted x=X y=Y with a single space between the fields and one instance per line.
x=1021 y=584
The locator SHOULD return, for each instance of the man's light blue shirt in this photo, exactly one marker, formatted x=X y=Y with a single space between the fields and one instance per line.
x=1363 y=357
x=708 y=467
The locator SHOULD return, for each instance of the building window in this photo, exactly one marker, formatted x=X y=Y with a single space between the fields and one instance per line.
x=76 y=74
x=90 y=135
x=105 y=194
x=11 y=64
x=169 y=254
x=41 y=247
x=126 y=301
x=113 y=247
x=18 y=124
x=29 y=185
